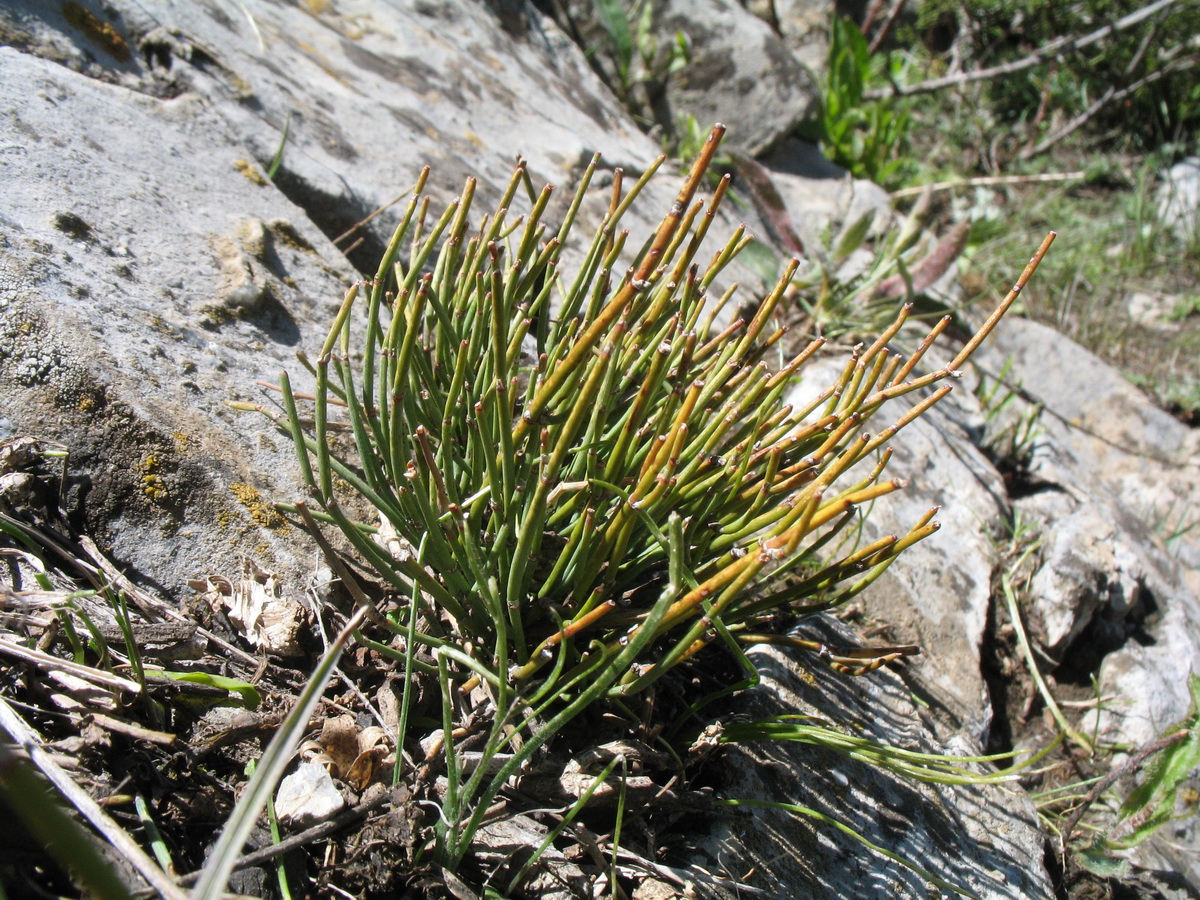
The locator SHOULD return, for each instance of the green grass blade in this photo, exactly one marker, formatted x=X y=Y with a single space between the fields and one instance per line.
x=270 y=769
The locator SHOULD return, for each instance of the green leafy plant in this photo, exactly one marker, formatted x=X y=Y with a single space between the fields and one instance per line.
x=1186 y=307
x=1098 y=834
x=1011 y=423
x=639 y=60
x=932 y=768
x=865 y=136
x=583 y=479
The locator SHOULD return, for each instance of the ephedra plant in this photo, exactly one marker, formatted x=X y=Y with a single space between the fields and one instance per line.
x=579 y=480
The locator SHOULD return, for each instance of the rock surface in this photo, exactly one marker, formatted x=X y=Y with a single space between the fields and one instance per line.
x=137 y=304
x=1179 y=198
x=804 y=25
x=740 y=73
x=1116 y=591
x=188 y=275
x=307 y=796
x=739 y=70
x=983 y=839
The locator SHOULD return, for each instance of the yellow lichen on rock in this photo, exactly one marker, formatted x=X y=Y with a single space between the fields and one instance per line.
x=153 y=485
x=260 y=511
x=251 y=172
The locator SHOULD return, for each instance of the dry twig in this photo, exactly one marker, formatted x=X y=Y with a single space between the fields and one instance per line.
x=989 y=181
x=87 y=807
x=55 y=664
x=1040 y=55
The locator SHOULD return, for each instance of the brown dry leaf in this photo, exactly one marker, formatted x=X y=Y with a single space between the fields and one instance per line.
x=347 y=752
x=254 y=606
x=374 y=747
x=362 y=772
x=387 y=702
x=339 y=740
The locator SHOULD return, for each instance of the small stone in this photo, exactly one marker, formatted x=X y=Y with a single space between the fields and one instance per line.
x=1179 y=198
x=307 y=796
x=1150 y=309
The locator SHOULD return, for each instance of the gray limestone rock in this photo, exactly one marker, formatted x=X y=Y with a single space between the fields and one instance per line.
x=308 y=796
x=144 y=284
x=1091 y=572
x=740 y=73
x=152 y=272
x=820 y=196
x=368 y=94
x=1113 y=599
x=984 y=839
x=1179 y=198
x=804 y=25
x=738 y=70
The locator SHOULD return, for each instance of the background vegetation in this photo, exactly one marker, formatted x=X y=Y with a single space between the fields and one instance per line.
x=1031 y=115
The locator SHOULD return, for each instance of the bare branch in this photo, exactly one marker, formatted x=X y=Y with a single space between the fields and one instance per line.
x=885 y=29
x=1049 y=51
x=1112 y=94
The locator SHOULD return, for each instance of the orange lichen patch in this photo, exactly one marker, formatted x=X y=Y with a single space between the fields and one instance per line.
x=250 y=171
x=260 y=511
x=97 y=31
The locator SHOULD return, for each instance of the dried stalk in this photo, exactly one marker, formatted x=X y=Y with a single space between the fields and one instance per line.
x=11 y=722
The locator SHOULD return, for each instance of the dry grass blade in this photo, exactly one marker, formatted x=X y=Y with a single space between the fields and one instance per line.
x=11 y=722
x=55 y=664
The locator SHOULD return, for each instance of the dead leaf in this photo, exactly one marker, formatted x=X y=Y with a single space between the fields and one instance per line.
x=349 y=753
x=339 y=739
x=256 y=609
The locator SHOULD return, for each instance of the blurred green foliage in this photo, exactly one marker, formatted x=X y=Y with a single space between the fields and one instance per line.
x=1153 y=59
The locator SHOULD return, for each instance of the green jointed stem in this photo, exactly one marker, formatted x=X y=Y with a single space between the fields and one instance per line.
x=552 y=492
